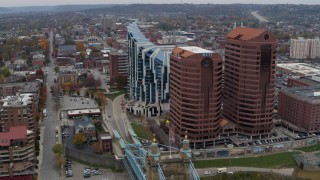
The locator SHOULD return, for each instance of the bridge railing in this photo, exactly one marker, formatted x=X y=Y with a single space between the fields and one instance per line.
x=193 y=173
x=136 y=158
x=160 y=173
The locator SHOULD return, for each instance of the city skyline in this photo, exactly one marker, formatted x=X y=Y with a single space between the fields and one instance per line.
x=19 y=3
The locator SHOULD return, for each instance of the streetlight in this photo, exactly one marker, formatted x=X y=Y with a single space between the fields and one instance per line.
x=168 y=124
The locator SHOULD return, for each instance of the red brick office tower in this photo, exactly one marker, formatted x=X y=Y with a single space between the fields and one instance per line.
x=195 y=95
x=249 y=80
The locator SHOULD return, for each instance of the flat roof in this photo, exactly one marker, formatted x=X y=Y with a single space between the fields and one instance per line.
x=195 y=49
x=301 y=68
x=309 y=92
x=83 y=111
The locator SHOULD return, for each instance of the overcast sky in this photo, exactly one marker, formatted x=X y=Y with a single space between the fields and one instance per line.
x=8 y=3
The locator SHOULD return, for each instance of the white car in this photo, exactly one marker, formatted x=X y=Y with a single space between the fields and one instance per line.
x=230 y=172
x=207 y=173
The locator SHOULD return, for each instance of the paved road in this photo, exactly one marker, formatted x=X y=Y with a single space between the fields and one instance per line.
x=117 y=118
x=286 y=172
x=259 y=17
x=48 y=169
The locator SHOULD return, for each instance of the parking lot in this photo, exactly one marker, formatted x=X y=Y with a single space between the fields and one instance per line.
x=104 y=174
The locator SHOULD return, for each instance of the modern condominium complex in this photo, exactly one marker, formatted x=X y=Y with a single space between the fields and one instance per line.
x=148 y=73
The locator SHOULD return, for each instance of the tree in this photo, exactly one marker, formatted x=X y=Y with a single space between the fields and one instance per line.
x=86 y=93
x=44 y=44
x=47 y=61
x=79 y=139
x=121 y=81
x=39 y=72
x=56 y=69
x=59 y=160
x=5 y=71
x=97 y=148
x=2 y=78
x=80 y=46
x=57 y=149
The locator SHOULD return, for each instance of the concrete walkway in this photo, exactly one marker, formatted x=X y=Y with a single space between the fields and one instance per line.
x=285 y=172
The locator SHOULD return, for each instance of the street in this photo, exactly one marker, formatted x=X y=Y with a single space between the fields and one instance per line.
x=213 y=171
x=259 y=17
x=48 y=168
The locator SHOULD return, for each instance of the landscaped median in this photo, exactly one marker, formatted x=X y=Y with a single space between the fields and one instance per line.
x=279 y=160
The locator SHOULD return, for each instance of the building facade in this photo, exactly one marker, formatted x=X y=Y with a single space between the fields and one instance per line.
x=67 y=77
x=17 y=151
x=304 y=48
x=300 y=106
x=20 y=110
x=196 y=94
x=249 y=80
x=118 y=64
x=148 y=78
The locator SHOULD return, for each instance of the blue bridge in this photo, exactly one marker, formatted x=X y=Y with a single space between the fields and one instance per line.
x=138 y=160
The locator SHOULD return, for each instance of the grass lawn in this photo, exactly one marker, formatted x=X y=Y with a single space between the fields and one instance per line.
x=142 y=132
x=113 y=96
x=268 y=161
x=312 y=148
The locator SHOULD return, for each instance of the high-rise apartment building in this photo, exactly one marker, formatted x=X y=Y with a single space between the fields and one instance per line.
x=19 y=110
x=148 y=73
x=249 y=80
x=17 y=153
x=119 y=64
x=196 y=94
x=302 y=48
x=17 y=135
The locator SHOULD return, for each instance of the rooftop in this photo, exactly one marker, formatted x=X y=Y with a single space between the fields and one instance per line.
x=301 y=68
x=195 y=49
x=83 y=123
x=26 y=87
x=243 y=33
x=308 y=92
x=83 y=111
x=310 y=80
x=20 y=100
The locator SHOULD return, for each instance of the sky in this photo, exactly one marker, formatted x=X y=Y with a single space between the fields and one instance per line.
x=14 y=3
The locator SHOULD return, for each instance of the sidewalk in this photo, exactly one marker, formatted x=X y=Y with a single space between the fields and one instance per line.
x=41 y=150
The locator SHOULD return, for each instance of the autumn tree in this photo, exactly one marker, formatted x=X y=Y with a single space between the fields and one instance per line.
x=67 y=87
x=79 y=139
x=57 y=149
x=101 y=98
x=86 y=93
x=80 y=46
x=44 y=44
x=97 y=148
x=59 y=160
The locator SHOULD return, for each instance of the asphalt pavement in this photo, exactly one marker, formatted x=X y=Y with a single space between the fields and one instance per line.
x=48 y=169
x=213 y=171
